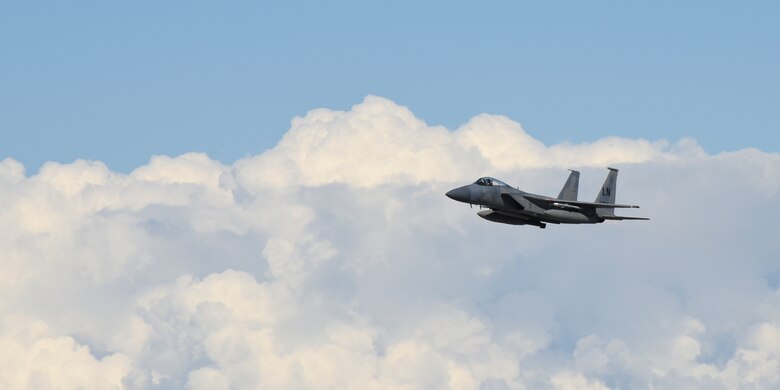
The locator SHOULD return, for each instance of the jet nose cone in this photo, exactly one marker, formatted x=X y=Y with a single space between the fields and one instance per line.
x=461 y=194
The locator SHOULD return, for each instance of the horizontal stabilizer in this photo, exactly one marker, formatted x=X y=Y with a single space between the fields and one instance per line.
x=617 y=218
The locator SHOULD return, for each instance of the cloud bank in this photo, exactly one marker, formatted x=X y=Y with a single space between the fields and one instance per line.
x=333 y=260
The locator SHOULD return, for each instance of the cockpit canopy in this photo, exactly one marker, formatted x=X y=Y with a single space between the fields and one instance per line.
x=489 y=181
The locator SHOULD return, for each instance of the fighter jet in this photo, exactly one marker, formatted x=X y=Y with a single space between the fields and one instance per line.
x=515 y=207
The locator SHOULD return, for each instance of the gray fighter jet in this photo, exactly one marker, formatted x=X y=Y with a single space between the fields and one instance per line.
x=515 y=207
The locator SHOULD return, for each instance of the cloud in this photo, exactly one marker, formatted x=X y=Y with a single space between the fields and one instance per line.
x=333 y=260
x=31 y=357
x=379 y=142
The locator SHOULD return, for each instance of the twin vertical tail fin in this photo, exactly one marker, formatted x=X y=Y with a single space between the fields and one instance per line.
x=607 y=193
x=571 y=187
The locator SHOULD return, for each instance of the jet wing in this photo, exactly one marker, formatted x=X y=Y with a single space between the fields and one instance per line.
x=560 y=203
x=512 y=199
x=598 y=205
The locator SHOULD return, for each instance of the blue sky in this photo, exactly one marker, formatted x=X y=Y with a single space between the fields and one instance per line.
x=122 y=81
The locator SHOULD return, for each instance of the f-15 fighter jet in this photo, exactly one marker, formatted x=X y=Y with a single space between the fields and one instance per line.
x=515 y=207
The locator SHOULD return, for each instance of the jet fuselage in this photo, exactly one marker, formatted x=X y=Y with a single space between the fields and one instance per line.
x=509 y=205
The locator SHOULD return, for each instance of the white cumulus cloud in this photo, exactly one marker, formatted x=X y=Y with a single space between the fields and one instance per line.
x=333 y=260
